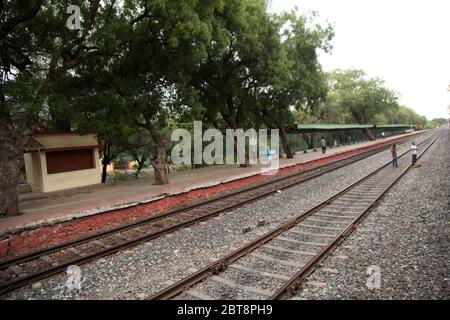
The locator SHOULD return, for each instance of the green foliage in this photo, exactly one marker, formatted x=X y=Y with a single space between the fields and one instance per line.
x=355 y=98
x=292 y=78
x=362 y=97
x=117 y=176
x=403 y=115
x=435 y=123
x=138 y=68
x=255 y=73
x=40 y=57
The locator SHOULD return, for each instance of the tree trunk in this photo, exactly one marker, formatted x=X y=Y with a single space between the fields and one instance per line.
x=368 y=134
x=361 y=120
x=11 y=158
x=105 y=162
x=234 y=122
x=340 y=138
x=285 y=143
x=309 y=140
x=10 y=164
x=159 y=162
x=140 y=165
x=243 y=150
x=247 y=161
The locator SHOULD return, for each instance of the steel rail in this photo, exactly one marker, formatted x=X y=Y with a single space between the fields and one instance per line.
x=36 y=254
x=296 y=281
x=22 y=281
x=221 y=264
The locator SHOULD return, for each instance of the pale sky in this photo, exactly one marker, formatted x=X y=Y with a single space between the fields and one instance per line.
x=405 y=42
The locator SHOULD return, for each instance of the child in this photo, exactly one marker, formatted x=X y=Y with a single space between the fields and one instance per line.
x=414 y=153
x=394 y=156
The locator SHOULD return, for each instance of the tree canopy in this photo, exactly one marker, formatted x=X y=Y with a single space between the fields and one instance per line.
x=137 y=68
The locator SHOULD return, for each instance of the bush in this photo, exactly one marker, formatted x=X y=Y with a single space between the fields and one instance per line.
x=121 y=176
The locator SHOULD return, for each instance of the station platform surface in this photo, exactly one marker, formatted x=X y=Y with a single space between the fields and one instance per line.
x=48 y=208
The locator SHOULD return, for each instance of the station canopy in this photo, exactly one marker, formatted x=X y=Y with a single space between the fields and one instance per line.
x=342 y=127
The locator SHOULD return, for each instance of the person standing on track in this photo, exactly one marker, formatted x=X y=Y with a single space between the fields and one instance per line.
x=394 y=156
x=323 y=144
x=414 y=153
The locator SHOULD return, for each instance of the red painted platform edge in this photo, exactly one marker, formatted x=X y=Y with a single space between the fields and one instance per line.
x=159 y=197
x=52 y=234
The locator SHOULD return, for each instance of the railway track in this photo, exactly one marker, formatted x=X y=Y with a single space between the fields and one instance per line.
x=26 y=269
x=274 y=265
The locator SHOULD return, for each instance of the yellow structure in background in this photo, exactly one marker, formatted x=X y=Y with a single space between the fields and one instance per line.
x=62 y=160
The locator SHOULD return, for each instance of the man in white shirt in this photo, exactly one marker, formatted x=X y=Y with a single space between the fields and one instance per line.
x=414 y=153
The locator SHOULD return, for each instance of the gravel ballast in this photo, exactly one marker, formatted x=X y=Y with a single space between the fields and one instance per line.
x=139 y=272
x=401 y=250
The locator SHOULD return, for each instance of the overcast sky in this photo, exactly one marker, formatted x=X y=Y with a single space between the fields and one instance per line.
x=405 y=42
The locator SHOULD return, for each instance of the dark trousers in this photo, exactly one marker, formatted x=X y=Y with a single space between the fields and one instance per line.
x=394 y=162
x=324 y=149
x=414 y=158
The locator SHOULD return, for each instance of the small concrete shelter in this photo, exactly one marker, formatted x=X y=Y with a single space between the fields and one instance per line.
x=61 y=160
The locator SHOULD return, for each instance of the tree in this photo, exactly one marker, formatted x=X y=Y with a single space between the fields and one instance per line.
x=291 y=77
x=111 y=122
x=400 y=115
x=224 y=81
x=23 y=12
x=364 y=98
x=436 y=123
x=256 y=73
x=17 y=121
x=166 y=42
x=141 y=155
x=37 y=51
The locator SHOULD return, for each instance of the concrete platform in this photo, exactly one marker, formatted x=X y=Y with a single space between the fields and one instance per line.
x=40 y=209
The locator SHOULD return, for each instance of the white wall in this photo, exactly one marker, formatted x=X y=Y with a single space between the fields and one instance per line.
x=70 y=179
